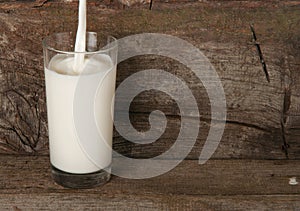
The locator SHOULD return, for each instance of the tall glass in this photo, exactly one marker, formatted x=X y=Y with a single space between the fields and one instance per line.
x=78 y=99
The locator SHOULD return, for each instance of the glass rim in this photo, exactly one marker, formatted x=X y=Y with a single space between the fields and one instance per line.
x=102 y=50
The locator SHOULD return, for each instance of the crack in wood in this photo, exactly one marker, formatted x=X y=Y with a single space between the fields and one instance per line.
x=286 y=80
x=37 y=110
x=18 y=133
x=18 y=94
x=23 y=130
x=261 y=58
x=285 y=108
x=39 y=3
x=151 y=4
x=249 y=125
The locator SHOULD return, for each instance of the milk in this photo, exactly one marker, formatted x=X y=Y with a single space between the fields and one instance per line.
x=66 y=153
x=80 y=43
x=89 y=77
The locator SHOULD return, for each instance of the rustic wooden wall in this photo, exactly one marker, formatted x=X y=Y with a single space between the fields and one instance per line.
x=263 y=117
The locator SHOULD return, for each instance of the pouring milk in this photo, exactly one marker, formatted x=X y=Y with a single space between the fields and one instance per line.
x=62 y=75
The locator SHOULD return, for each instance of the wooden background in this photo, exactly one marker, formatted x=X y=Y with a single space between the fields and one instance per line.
x=262 y=119
x=260 y=148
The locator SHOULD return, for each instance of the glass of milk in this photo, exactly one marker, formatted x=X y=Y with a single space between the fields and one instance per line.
x=80 y=104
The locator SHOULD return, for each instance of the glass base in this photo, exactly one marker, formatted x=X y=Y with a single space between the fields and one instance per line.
x=88 y=180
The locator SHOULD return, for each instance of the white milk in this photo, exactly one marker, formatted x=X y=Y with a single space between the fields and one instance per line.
x=66 y=153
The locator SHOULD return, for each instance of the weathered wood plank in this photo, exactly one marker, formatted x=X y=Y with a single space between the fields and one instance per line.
x=220 y=30
x=27 y=174
x=146 y=201
x=217 y=185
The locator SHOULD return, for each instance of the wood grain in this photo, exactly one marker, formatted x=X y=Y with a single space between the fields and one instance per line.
x=216 y=177
x=57 y=201
x=247 y=143
x=217 y=185
x=220 y=30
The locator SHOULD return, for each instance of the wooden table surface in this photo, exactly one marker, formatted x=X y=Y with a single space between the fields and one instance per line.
x=259 y=151
x=26 y=184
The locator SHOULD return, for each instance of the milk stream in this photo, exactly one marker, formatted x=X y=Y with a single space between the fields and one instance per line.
x=80 y=37
x=61 y=82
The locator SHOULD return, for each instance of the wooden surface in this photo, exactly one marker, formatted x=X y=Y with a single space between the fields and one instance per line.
x=26 y=184
x=260 y=148
x=258 y=124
